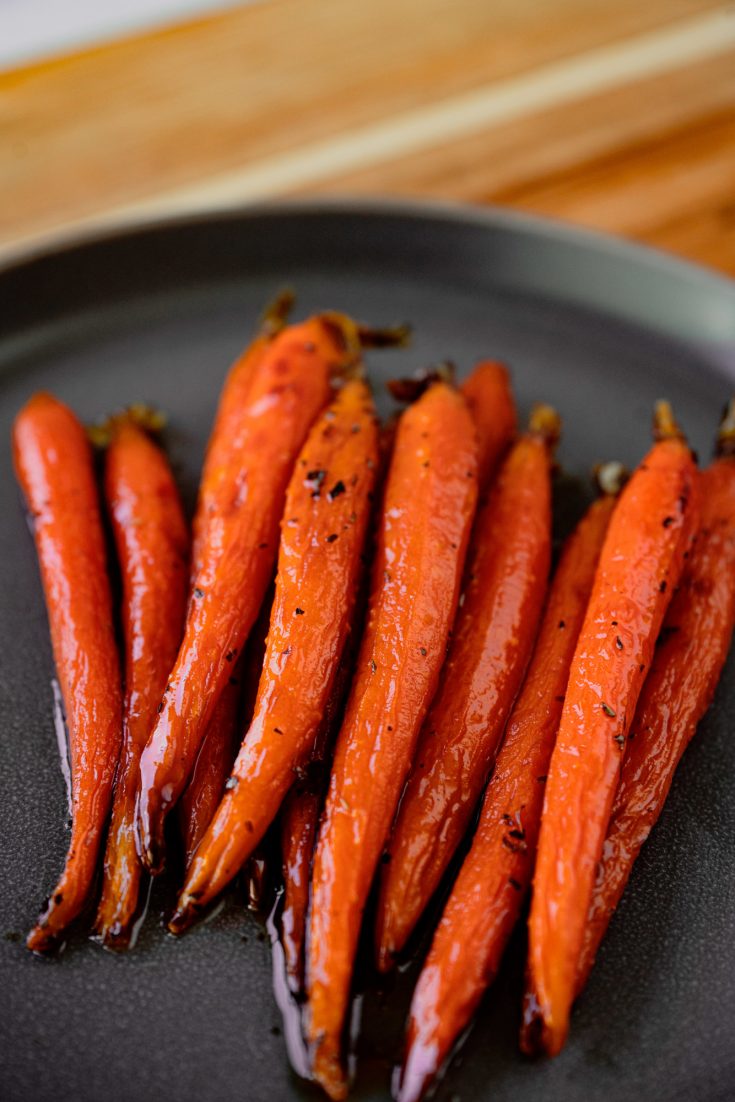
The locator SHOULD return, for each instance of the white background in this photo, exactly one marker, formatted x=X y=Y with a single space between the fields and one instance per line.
x=34 y=29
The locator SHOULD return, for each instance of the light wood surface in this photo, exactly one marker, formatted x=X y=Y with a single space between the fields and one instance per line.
x=610 y=113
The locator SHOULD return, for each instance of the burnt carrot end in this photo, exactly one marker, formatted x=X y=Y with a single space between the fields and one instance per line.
x=687 y=664
x=489 y=395
x=152 y=544
x=319 y=570
x=504 y=590
x=640 y=566
x=235 y=553
x=427 y=510
x=54 y=466
x=488 y=895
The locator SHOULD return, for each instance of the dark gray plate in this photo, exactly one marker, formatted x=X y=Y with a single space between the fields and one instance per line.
x=598 y=328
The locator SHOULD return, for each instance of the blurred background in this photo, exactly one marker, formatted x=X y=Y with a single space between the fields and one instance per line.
x=614 y=114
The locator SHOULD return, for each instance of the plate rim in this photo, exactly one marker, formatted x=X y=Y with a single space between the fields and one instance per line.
x=556 y=231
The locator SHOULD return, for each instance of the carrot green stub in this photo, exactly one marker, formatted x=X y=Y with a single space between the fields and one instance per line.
x=427 y=511
x=640 y=566
x=690 y=654
x=290 y=384
x=55 y=469
x=488 y=894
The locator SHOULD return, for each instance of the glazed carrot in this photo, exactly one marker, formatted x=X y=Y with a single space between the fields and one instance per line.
x=215 y=487
x=689 y=657
x=507 y=574
x=202 y=795
x=54 y=466
x=489 y=396
x=319 y=569
x=290 y=385
x=487 y=896
x=303 y=805
x=428 y=505
x=639 y=568
x=152 y=545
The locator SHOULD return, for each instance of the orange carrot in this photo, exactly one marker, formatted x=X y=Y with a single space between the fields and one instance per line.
x=54 y=466
x=225 y=441
x=486 y=899
x=639 y=568
x=319 y=570
x=428 y=505
x=152 y=544
x=689 y=657
x=489 y=397
x=507 y=575
x=289 y=386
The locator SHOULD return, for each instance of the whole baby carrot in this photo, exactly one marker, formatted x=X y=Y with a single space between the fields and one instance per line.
x=428 y=505
x=507 y=574
x=319 y=569
x=487 y=896
x=290 y=384
x=152 y=545
x=689 y=657
x=489 y=396
x=303 y=805
x=639 y=568
x=54 y=466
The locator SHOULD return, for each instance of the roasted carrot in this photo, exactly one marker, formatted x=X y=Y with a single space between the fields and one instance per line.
x=319 y=568
x=489 y=396
x=289 y=386
x=152 y=545
x=640 y=566
x=54 y=466
x=505 y=585
x=689 y=657
x=215 y=487
x=302 y=807
x=486 y=898
x=202 y=795
x=428 y=505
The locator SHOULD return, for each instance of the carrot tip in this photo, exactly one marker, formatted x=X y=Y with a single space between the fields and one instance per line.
x=611 y=477
x=725 y=444
x=546 y=423
x=665 y=425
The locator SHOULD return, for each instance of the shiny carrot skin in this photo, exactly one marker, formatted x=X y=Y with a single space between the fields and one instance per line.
x=152 y=543
x=489 y=396
x=203 y=793
x=215 y=487
x=487 y=896
x=429 y=501
x=640 y=566
x=319 y=570
x=678 y=691
x=54 y=466
x=303 y=805
x=507 y=575
x=291 y=384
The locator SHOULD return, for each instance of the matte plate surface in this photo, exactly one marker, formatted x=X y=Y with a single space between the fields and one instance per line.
x=596 y=327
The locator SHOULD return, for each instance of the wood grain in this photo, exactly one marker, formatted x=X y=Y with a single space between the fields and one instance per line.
x=136 y=119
